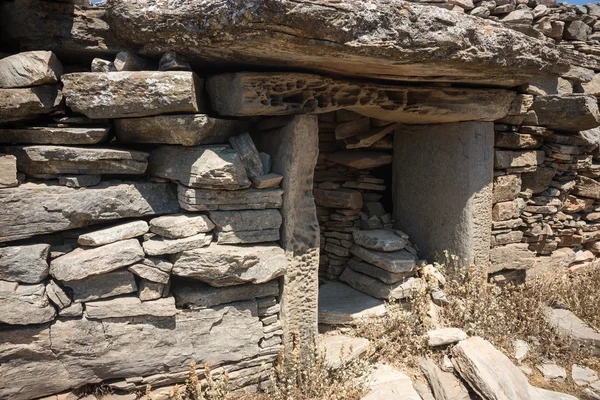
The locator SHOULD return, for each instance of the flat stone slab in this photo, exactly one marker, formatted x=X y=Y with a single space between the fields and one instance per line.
x=35 y=209
x=338 y=198
x=445 y=336
x=25 y=264
x=154 y=272
x=54 y=135
x=132 y=94
x=376 y=272
x=504 y=159
x=360 y=159
x=113 y=234
x=339 y=304
x=379 y=239
x=24 y=304
x=227 y=265
x=248 y=220
x=30 y=68
x=50 y=160
x=387 y=383
x=339 y=349
x=121 y=307
x=511 y=256
x=217 y=167
x=376 y=288
x=28 y=103
x=78 y=181
x=158 y=246
x=574 y=112
x=445 y=385
x=82 y=263
x=190 y=294
x=572 y=326
x=97 y=287
x=181 y=225
x=393 y=261
x=251 y=199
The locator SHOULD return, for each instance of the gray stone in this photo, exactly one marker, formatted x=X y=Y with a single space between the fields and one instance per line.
x=256 y=93
x=577 y=30
x=517 y=159
x=583 y=375
x=552 y=372
x=360 y=159
x=455 y=192
x=508 y=210
x=26 y=264
x=506 y=188
x=400 y=261
x=82 y=263
x=8 y=171
x=78 y=181
x=38 y=160
x=266 y=160
x=339 y=350
x=101 y=65
x=567 y=113
x=348 y=129
x=376 y=272
x=182 y=129
x=217 y=167
x=445 y=385
x=226 y=265
x=171 y=61
x=149 y=290
x=181 y=225
x=54 y=135
x=511 y=256
x=445 y=336
x=252 y=199
x=158 y=246
x=151 y=273
x=339 y=304
x=387 y=383
x=74 y=310
x=191 y=294
x=587 y=187
x=35 y=209
x=121 y=307
x=570 y=325
x=376 y=288
x=521 y=350
x=421 y=387
x=96 y=287
x=57 y=295
x=30 y=68
x=267 y=181
x=24 y=304
x=380 y=240
x=245 y=148
x=132 y=94
x=113 y=234
x=250 y=226
x=339 y=198
x=579 y=74
x=128 y=61
x=516 y=140
x=28 y=103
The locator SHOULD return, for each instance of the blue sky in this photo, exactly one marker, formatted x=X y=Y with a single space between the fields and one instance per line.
x=578 y=2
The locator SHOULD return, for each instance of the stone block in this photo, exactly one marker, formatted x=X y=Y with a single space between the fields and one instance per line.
x=360 y=159
x=573 y=327
x=30 y=68
x=385 y=382
x=182 y=129
x=54 y=135
x=172 y=61
x=192 y=199
x=587 y=187
x=149 y=290
x=26 y=264
x=379 y=239
x=567 y=113
x=506 y=188
x=132 y=94
x=121 y=307
x=57 y=295
x=250 y=226
x=246 y=150
x=28 y=103
x=376 y=272
x=445 y=385
x=504 y=159
x=128 y=61
x=157 y=246
x=538 y=180
x=378 y=289
x=339 y=198
x=512 y=256
x=217 y=167
x=181 y=225
x=267 y=181
x=227 y=265
x=445 y=336
x=113 y=234
x=78 y=181
x=339 y=304
x=97 y=287
x=192 y=294
x=515 y=140
x=340 y=350
x=24 y=304
x=400 y=261
x=507 y=210
x=8 y=171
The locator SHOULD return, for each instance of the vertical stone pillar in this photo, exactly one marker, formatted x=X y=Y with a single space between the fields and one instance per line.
x=442 y=190
x=294 y=149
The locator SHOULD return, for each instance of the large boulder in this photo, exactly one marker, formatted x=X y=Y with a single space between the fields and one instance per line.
x=31 y=68
x=35 y=209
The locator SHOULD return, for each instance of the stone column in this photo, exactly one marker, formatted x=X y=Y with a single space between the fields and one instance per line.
x=294 y=149
x=443 y=188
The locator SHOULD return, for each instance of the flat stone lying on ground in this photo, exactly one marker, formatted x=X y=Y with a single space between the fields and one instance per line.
x=217 y=167
x=182 y=129
x=339 y=304
x=25 y=264
x=29 y=68
x=340 y=350
x=445 y=385
x=54 y=135
x=96 y=287
x=552 y=371
x=571 y=326
x=132 y=94
x=157 y=246
x=387 y=383
x=82 y=263
x=445 y=336
x=24 y=304
x=192 y=199
x=583 y=375
x=226 y=265
x=194 y=294
x=113 y=234
x=379 y=239
x=400 y=261
x=179 y=226
x=28 y=103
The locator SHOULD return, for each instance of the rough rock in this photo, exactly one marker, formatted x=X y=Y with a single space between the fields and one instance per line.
x=537 y=181
x=30 y=68
x=8 y=171
x=511 y=256
x=360 y=159
x=252 y=199
x=82 y=263
x=149 y=290
x=54 y=135
x=26 y=264
x=121 y=307
x=96 y=287
x=340 y=350
x=256 y=93
x=506 y=188
x=154 y=273
x=516 y=140
x=28 y=103
x=113 y=234
x=128 y=61
x=516 y=159
x=157 y=246
x=445 y=385
x=567 y=113
x=57 y=295
x=35 y=209
x=587 y=187
x=226 y=265
x=400 y=261
x=217 y=167
x=570 y=325
x=339 y=304
x=192 y=294
x=583 y=375
x=445 y=336
x=245 y=148
x=521 y=350
x=171 y=61
x=78 y=181
x=267 y=181
x=182 y=129
x=552 y=372
x=387 y=383
x=39 y=160
x=132 y=94
x=379 y=239
x=376 y=272
x=376 y=288
x=24 y=304
x=577 y=30
x=508 y=210
x=339 y=198
x=101 y=65
x=249 y=226
x=181 y=225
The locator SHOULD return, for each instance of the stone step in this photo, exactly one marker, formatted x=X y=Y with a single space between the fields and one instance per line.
x=340 y=304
